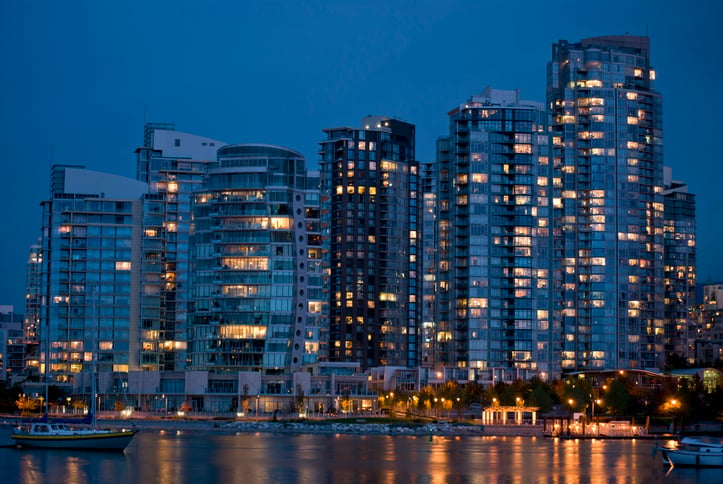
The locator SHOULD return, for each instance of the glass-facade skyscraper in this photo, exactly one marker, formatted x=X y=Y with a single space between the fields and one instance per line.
x=33 y=307
x=429 y=265
x=495 y=207
x=173 y=164
x=90 y=278
x=608 y=143
x=256 y=263
x=372 y=220
x=680 y=269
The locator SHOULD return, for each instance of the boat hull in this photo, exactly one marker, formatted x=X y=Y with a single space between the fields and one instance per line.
x=689 y=458
x=96 y=441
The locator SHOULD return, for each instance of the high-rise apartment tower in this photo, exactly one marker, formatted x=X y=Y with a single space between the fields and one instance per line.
x=495 y=207
x=608 y=143
x=371 y=213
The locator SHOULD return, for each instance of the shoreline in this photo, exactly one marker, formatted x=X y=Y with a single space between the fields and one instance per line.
x=321 y=427
x=361 y=427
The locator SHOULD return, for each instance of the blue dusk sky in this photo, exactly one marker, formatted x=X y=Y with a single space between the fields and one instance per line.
x=79 y=78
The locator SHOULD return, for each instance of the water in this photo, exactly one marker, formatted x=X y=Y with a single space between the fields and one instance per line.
x=206 y=457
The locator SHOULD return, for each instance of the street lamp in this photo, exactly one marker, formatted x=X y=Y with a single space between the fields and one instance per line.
x=257 y=405
x=594 y=401
x=674 y=407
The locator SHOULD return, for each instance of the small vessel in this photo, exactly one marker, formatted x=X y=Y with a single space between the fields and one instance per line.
x=48 y=435
x=693 y=453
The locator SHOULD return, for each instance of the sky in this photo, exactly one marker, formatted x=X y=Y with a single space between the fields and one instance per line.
x=78 y=80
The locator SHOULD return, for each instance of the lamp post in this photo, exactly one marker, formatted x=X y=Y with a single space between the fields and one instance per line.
x=674 y=406
x=257 y=405
x=592 y=416
x=570 y=402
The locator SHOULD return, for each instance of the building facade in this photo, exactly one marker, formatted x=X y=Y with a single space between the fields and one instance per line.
x=90 y=278
x=495 y=316
x=680 y=269
x=33 y=307
x=12 y=348
x=429 y=265
x=372 y=220
x=608 y=141
x=708 y=319
x=256 y=264
x=174 y=165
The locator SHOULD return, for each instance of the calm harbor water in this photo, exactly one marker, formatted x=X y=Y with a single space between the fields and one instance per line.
x=205 y=457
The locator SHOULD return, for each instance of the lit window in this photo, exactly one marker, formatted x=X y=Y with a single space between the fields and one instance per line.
x=122 y=266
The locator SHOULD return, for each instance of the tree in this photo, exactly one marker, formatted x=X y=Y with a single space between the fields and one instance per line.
x=27 y=405
x=617 y=398
x=472 y=393
x=540 y=397
x=575 y=389
x=245 y=395
x=299 y=398
x=425 y=398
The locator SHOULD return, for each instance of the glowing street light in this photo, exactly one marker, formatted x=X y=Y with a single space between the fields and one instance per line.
x=598 y=401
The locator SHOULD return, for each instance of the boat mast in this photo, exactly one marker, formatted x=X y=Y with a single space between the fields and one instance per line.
x=47 y=364
x=94 y=357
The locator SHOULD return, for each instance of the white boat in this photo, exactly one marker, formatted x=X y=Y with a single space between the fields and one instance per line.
x=46 y=435
x=693 y=453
